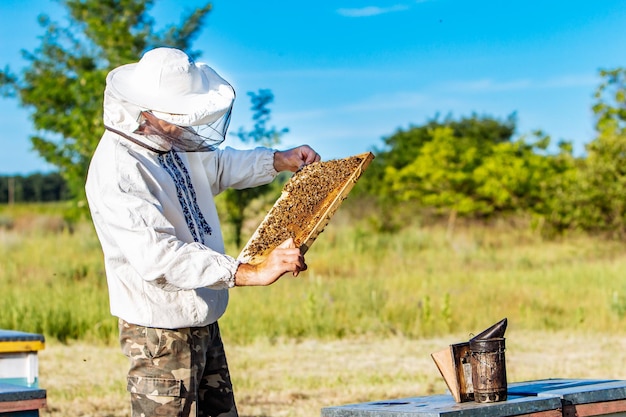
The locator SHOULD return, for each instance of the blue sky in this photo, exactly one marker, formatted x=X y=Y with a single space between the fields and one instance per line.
x=346 y=73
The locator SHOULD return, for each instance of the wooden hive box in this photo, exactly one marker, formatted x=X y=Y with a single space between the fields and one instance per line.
x=308 y=201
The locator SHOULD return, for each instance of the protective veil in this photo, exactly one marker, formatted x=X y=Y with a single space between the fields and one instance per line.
x=167 y=86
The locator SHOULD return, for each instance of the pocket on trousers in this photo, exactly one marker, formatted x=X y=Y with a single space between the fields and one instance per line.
x=160 y=387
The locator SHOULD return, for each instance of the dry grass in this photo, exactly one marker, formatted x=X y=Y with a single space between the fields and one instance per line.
x=299 y=378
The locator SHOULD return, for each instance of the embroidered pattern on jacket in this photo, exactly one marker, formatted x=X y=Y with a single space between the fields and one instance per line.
x=197 y=224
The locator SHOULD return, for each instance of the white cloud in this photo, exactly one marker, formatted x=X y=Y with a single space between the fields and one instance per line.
x=373 y=106
x=371 y=10
x=398 y=100
x=571 y=81
x=489 y=85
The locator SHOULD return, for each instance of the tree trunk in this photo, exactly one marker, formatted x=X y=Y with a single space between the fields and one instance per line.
x=451 y=224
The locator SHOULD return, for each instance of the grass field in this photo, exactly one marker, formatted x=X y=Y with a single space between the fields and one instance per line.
x=297 y=378
x=359 y=325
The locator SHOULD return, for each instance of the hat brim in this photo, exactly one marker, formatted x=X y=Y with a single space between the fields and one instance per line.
x=190 y=109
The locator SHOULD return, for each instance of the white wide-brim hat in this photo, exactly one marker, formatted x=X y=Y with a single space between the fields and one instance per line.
x=169 y=83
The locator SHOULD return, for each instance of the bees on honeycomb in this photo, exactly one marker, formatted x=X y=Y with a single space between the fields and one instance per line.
x=305 y=199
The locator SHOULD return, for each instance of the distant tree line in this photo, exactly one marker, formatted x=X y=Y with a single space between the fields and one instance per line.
x=33 y=188
x=474 y=167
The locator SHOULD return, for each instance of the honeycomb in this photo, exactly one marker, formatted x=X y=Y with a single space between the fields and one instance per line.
x=308 y=201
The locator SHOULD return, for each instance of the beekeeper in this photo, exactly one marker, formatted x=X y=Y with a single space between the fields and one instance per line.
x=150 y=189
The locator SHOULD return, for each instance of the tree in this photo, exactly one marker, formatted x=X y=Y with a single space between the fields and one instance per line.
x=238 y=200
x=605 y=170
x=601 y=189
x=33 y=188
x=404 y=146
x=449 y=150
x=64 y=82
x=595 y=195
x=610 y=105
x=473 y=168
x=441 y=175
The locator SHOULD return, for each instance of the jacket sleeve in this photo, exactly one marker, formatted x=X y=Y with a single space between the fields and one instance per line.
x=139 y=240
x=234 y=168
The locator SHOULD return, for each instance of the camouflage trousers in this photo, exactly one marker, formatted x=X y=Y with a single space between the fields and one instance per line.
x=177 y=373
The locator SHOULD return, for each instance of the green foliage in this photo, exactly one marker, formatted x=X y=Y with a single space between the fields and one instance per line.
x=595 y=197
x=592 y=195
x=405 y=147
x=64 y=82
x=610 y=105
x=441 y=175
x=474 y=168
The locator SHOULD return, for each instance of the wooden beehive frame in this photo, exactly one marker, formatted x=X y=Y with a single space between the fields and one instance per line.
x=313 y=226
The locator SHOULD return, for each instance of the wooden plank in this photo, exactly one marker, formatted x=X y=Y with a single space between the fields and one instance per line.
x=461 y=356
x=10 y=393
x=445 y=406
x=573 y=390
x=549 y=413
x=600 y=392
x=453 y=364
x=19 y=346
x=16 y=341
x=594 y=409
x=445 y=363
x=24 y=405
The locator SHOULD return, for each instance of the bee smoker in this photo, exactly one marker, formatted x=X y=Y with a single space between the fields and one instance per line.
x=488 y=370
x=488 y=364
x=476 y=370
